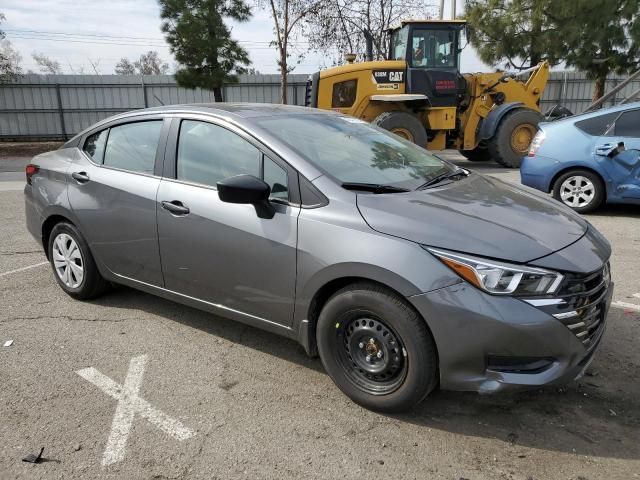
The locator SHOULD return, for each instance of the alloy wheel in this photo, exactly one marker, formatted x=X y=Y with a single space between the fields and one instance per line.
x=577 y=191
x=67 y=260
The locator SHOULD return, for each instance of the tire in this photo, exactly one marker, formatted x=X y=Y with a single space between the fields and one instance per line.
x=588 y=198
x=478 y=154
x=367 y=318
x=404 y=125
x=66 y=246
x=513 y=136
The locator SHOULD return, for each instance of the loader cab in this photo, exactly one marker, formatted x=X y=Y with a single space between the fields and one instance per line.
x=431 y=50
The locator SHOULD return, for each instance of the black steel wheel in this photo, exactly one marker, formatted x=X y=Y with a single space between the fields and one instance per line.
x=376 y=347
x=371 y=353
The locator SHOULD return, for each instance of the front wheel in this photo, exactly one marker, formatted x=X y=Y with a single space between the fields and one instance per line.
x=376 y=348
x=513 y=137
x=580 y=190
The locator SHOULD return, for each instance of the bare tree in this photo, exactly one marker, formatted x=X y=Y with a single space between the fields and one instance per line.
x=288 y=17
x=9 y=59
x=95 y=65
x=149 y=63
x=125 y=67
x=47 y=65
x=339 y=26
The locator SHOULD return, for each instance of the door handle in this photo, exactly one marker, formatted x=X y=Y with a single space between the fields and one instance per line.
x=80 y=177
x=605 y=149
x=176 y=207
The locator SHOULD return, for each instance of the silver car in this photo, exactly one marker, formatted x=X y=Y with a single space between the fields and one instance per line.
x=401 y=270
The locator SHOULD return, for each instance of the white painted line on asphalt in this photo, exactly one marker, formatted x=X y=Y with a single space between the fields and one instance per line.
x=11 y=186
x=130 y=403
x=631 y=306
x=17 y=270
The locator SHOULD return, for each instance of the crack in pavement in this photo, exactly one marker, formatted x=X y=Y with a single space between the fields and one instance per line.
x=20 y=252
x=68 y=317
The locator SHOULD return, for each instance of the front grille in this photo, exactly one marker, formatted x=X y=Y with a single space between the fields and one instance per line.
x=584 y=306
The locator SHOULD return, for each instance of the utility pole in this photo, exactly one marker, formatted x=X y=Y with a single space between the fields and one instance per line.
x=441 y=9
x=453 y=9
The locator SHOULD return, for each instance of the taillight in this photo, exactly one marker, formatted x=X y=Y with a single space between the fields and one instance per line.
x=536 y=142
x=31 y=170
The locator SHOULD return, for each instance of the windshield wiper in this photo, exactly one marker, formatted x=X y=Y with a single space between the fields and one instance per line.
x=444 y=176
x=373 y=187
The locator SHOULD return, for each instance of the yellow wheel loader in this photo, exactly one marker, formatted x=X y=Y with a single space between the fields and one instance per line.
x=419 y=94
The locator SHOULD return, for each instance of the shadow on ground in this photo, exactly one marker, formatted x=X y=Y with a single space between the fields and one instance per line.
x=598 y=415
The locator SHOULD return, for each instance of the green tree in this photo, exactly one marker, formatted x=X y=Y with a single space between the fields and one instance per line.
x=515 y=33
x=599 y=37
x=201 y=42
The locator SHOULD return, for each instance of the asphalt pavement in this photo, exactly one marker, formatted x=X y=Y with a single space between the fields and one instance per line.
x=133 y=386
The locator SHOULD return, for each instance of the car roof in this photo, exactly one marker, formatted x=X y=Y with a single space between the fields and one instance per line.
x=240 y=113
x=237 y=110
x=595 y=113
x=613 y=109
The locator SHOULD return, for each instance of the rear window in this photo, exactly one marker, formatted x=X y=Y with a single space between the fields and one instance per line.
x=133 y=146
x=94 y=145
x=597 y=126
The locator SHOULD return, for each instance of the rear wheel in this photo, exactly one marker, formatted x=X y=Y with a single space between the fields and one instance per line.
x=478 y=154
x=73 y=265
x=404 y=125
x=376 y=348
x=580 y=190
x=513 y=137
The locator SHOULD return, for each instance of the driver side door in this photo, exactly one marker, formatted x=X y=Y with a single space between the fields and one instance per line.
x=221 y=253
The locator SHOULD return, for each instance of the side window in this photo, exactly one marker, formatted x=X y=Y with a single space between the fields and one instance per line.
x=597 y=126
x=628 y=125
x=94 y=145
x=276 y=177
x=344 y=94
x=208 y=153
x=133 y=146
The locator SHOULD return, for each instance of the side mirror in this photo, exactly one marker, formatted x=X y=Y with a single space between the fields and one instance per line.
x=247 y=189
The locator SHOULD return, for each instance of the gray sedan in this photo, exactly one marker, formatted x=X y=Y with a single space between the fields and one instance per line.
x=402 y=271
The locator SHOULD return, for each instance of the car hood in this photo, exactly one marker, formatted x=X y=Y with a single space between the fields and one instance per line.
x=477 y=215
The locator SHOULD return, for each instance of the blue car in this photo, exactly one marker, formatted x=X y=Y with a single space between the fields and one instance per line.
x=586 y=160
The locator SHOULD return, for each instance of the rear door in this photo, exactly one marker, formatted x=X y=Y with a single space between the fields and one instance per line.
x=619 y=152
x=112 y=191
x=223 y=253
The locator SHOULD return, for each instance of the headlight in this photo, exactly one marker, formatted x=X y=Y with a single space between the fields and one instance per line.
x=500 y=278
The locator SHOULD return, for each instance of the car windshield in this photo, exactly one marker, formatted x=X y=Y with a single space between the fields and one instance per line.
x=352 y=151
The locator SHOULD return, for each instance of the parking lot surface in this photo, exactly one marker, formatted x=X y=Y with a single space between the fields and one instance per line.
x=133 y=386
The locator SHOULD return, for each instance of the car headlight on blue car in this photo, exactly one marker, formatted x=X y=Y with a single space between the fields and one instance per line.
x=500 y=278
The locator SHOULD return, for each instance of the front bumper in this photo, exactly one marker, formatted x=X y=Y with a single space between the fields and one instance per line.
x=471 y=327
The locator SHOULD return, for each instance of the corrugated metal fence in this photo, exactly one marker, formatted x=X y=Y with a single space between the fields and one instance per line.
x=58 y=106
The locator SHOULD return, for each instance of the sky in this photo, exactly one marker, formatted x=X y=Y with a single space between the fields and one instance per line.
x=81 y=33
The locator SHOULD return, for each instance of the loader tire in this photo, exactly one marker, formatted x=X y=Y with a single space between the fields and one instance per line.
x=513 y=137
x=478 y=154
x=404 y=125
